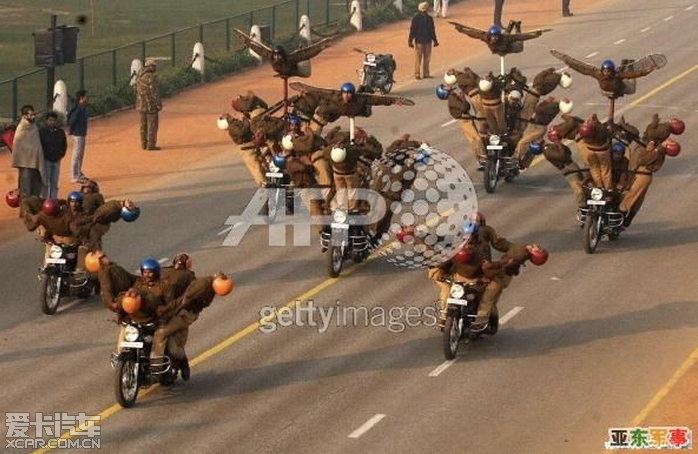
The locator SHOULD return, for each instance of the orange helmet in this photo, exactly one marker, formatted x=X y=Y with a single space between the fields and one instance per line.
x=131 y=302
x=222 y=285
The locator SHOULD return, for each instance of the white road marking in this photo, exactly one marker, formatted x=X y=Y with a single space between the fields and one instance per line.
x=446 y=364
x=645 y=29
x=367 y=426
x=228 y=229
x=66 y=307
x=162 y=260
x=555 y=278
x=620 y=41
x=509 y=315
x=593 y=54
x=448 y=123
x=667 y=19
x=690 y=8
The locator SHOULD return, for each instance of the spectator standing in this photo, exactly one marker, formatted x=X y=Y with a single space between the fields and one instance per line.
x=27 y=154
x=54 y=144
x=422 y=35
x=77 y=123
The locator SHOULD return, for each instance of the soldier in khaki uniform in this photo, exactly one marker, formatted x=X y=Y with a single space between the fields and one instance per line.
x=148 y=103
x=459 y=109
x=240 y=131
x=92 y=198
x=114 y=280
x=594 y=147
x=560 y=156
x=491 y=95
x=544 y=113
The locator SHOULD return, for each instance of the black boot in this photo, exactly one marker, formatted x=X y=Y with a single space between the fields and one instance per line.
x=184 y=368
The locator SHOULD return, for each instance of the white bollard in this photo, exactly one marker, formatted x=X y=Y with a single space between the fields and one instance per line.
x=256 y=34
x=355 y=10
x=304 y=29
x=444 y=8
x=136 y=66
x=437 y=7
x=398 y=4
x=197 y=58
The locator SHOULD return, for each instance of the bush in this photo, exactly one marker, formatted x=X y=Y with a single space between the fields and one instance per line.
x=382 y=14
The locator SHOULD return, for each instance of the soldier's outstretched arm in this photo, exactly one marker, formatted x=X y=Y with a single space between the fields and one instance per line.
x=470 y=31
x=308 y=52
x=579 y=66
x=259 y=48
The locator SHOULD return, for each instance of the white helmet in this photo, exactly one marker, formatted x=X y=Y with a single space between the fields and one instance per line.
x=566 y=80
x=515 y=94
x=287 y=142
x=485 y=85
x=450 y=79
x=566 y=106
x=338 y=154
x=222 y=123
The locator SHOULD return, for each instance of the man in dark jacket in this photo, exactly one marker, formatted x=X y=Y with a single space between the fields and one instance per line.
x=54 y=143
x=422 y=34
x=77 y=121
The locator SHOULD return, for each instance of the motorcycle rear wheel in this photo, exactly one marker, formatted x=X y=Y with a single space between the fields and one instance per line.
x=334 y=261
x=591 y=232
x=126 y=383
x=451 y=337
x=50 y=294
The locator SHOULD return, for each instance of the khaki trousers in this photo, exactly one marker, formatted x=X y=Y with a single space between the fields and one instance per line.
x=494 y=114
x=149 y=129
x=599 y=163
x=574 y=180
x=346 y=190
x=532 y=133
x=422 y=55
x=632 y=201
x=473 y=138
x=323 y=171
x=181 y=321
x=254 y=165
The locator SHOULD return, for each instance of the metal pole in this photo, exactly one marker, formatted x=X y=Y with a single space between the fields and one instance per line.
x=352 y=125
x=327 y=12
x=273 y=22
x=173 y=48
x=251 y=19
x=14 y=100
x=201 y=33
x=81 y=73
x=227 y=34
x=113 y=67
x=307 y=7
x=298 y=12
x=143 y=52
x=51 y=70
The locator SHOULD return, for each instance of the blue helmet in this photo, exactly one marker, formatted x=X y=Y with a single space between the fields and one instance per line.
x=442 y=92
x=470 y=228
x=130 y=215
x=150 y=264
x=535 y=148
x=294 y=120
x=618 y=147
x=348 y=87
x=494 y=30
x=279 y=161
x=75 y=196
x=608 y=64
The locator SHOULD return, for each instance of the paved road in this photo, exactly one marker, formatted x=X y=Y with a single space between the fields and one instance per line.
x=589 y=341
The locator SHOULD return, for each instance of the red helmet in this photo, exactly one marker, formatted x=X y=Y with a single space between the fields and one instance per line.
x=463 y=256
x=405 y=234
x=671 y=147
x=586 y=130
x=537 y=255
x=12 y=198
x=50 y=207
x=677 y=126
x=553 y=135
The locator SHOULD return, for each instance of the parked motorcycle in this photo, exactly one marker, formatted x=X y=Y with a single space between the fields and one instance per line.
x=599 y=217
x=58 y=278
x=134 y=367
x=463 y=302
x=498 y=162
x=377 y=72
x=343 y=241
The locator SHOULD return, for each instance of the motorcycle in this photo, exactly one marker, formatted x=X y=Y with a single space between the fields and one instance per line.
x=498 y=162
x=280 y=192
x=463 y=302
x=599 y=217
x=134 y=367
x=343 y=241
x=377 y=72
x=58 y=278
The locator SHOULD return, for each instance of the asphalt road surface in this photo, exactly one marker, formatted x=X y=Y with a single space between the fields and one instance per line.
x=588 y=339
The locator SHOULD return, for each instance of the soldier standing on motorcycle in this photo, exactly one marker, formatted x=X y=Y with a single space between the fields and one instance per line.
x=544 y=113
x=459 y=108
x=92 y=198
x=594 y=147
x=179 y=275
x=491 y=95
x=240 y=132
x=560 y=156
x=114 y=280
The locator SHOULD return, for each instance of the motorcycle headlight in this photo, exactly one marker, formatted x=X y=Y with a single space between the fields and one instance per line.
x=55 y=252
x=495 y=139
x=471 y=296
x=339 y=216
x=596 y=194
x=273 y=167
x=457 y=291
x=131 y=333
x=371 y=58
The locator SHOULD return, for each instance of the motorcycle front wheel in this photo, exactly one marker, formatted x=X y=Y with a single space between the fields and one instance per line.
x=126 y=383
x=334 y=261
x=491 y=175
x=273 y=204
x=451 y=337
x=50 y=293
x=387 y=88
x=591 y=232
